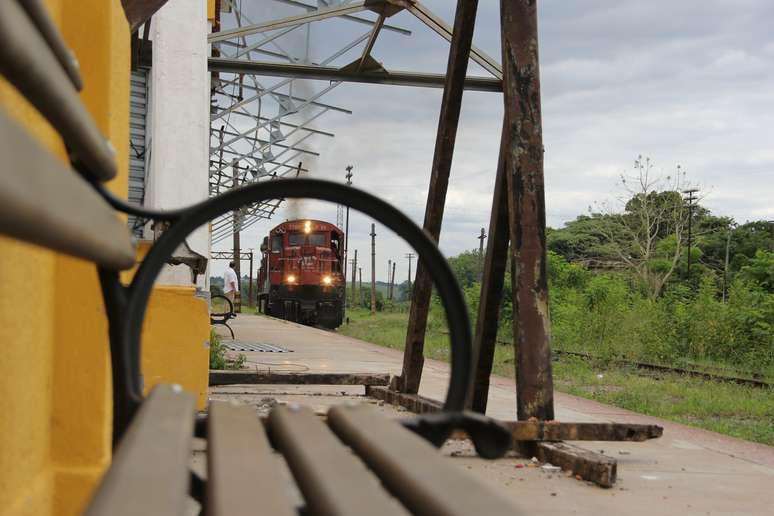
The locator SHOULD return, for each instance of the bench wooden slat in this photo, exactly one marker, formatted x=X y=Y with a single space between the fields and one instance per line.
x=414 y=471
x=27 y=62
x=149 y=473
x=241 y=469
x=332 y=479
x=38 y=13
x=44 y=202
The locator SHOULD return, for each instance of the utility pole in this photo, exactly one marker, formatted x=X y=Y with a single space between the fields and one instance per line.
x=346 y=244
x=354 y=277
x=237 y=250
x=373 y=269
x=392 y=281
x=691 y=198
x=410 y=256
x=360 y=285
x=481 y=238
x=771 y=225
x=725 y=265
x=250 y=285
x=389 y=268
x=346 y=228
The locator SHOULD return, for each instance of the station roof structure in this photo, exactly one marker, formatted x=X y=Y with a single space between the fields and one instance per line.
x=270 y=77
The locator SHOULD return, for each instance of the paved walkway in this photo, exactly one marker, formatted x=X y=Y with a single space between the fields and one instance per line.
x=688 y=471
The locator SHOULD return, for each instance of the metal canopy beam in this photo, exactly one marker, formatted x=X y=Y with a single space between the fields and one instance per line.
x=284 y=124
x=396 y=78
x=275 y=144
x=371 y=41
x=440 y=27
x=349 y=17
x=284 y=96
x=290 y=21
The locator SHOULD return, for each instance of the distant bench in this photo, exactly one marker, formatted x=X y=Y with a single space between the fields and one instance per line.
x=222 y=318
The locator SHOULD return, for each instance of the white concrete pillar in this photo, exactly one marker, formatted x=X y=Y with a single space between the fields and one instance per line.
x=179 y=118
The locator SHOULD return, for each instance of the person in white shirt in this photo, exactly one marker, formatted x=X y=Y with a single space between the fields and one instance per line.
x=231 y=286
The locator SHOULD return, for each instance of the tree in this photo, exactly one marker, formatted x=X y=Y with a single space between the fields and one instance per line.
x=650 y=236
x=747 y=239
x=580 y=241
x=760 y=270
x=465 y=267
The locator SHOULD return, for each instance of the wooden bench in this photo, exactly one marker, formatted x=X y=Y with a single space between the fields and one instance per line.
x=355 y=462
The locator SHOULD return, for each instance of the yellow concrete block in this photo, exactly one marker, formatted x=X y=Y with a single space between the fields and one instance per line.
x=81 y=422
x=54 y=372
x=34 y=498
x=175 y=345
x=26 y=274
x=73 y=488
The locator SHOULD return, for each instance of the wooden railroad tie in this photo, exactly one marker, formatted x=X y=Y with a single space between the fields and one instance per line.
x=544 y=439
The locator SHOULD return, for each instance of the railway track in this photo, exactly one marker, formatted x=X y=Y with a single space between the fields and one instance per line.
x=754 y=380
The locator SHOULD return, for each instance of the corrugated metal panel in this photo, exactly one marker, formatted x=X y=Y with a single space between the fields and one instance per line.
x=138 y=158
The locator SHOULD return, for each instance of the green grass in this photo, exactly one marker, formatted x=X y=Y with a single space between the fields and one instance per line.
x=736 y=410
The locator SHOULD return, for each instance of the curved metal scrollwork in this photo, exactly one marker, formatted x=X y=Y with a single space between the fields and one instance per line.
x=126 y=306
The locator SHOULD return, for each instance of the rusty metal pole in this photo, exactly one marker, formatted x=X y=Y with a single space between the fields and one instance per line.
x=526 y=209
x=485 y=335
x=462 y=38
x=373 y=269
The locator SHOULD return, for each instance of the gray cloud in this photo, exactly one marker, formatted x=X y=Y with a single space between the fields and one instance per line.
x=689 y=83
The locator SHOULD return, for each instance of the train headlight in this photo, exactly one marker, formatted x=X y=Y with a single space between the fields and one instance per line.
x=327 y=280
x=291 y=279
x=307 y=226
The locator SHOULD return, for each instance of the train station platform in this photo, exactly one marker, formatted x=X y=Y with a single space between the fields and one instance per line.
x=688 y=471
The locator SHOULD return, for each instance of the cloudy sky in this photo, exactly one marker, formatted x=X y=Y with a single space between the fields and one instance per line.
x=688 y=82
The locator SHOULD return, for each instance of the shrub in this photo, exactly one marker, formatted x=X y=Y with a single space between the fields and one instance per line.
x=218 y=357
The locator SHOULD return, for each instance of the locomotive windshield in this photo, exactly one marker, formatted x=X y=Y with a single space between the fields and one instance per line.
x=276 y=243
x=317 y=239
x=296 y=239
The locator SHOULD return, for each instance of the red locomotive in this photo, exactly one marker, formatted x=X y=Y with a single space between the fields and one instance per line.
x=301 y=277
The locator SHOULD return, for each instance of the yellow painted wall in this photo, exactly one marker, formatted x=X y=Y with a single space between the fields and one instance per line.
x=175 y=337
x=55 y=392
x=175 y=343
x=56 y=424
